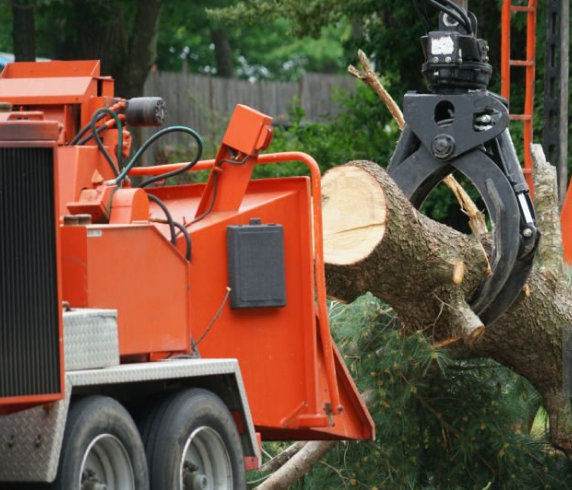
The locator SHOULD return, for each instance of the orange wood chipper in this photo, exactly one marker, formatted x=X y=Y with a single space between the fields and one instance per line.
x=152 y=336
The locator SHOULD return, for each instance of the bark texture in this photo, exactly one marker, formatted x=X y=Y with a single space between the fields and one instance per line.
x=412 y=268
x=282 y=458
x=300 y=464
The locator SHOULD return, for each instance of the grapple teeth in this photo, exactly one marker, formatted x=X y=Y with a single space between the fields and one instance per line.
x=492 y=167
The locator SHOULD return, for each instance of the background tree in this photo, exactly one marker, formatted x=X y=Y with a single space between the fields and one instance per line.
x=23 y=30
x=122 y=34
x=262 y=51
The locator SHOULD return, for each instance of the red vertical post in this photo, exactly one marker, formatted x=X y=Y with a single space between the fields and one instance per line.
x=529 y=64
x=529 y=97
x=505 y=49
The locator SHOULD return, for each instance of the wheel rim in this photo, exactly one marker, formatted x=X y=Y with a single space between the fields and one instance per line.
x=206 y=462
x=106 y=466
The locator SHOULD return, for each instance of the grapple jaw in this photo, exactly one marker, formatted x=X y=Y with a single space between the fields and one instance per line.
x=465 y=128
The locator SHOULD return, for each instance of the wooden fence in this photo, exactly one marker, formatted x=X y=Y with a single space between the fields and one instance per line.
x=205 y=103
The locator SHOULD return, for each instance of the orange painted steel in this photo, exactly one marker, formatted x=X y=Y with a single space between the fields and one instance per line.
x=62 y=90
x=318 y=240
x=113 y=266
x=280 y=350
x=529 y=65
x=566 y=224
x=297 y=384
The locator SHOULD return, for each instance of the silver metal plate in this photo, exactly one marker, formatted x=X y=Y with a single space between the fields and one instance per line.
x=90 y=339
x=31 y=441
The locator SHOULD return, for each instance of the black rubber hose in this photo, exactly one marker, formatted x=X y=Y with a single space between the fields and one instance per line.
x=84 y=140
x=165 y=210
x=422 y=15
x=153 y=138
x=99 y=143
x=463 y=13
x=82 y=131
x=453 y=14
x=185 y=233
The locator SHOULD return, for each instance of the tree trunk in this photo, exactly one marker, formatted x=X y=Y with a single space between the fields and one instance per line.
x=23 y=30
x=223 y=53
x=98 y=32
x=142 y=49
x=127 y=50
x=376 y=241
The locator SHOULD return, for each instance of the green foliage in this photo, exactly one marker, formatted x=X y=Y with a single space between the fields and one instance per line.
x=264 y=51
x=310 y=16
x=441 y=424
x=388 y=31
x=363 y=130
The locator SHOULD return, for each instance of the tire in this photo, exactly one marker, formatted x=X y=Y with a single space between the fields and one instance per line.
x=192 y=443
x=101 y=445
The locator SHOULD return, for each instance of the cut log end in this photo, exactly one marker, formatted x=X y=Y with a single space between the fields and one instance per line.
x=351 y=236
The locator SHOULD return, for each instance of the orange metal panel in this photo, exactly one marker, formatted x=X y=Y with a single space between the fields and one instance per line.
x=50 y=90
x=150 y=295
x=318 y=244
x=66 y=91
x=566 y=223
x=74 y=265
x=85 y=68
x=280 y=350
x=129 y=205
x=82 y=167
x=116 y=267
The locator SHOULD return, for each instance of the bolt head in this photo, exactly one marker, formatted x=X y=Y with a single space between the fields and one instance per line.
x=448 y=59
x=435 y=59
x=527 y=232
x=443 y=146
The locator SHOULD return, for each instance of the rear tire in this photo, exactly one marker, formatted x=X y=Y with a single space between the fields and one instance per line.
x=101 y=446
x=192 y=443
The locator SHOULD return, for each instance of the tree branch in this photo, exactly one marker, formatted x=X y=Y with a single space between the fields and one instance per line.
x=282 y=458
x=546 y=203
x=300 y=464
x=370 y=78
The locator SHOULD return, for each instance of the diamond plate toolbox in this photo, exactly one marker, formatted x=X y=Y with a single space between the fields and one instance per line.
x=90 y=339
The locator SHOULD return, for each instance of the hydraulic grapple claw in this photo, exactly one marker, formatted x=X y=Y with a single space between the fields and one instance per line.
x=431 y=148
x=461 y=126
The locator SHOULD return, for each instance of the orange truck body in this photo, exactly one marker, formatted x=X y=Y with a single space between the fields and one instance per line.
x=121 y=258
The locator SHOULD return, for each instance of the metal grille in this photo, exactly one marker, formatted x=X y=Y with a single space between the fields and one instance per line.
x=29 y=316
